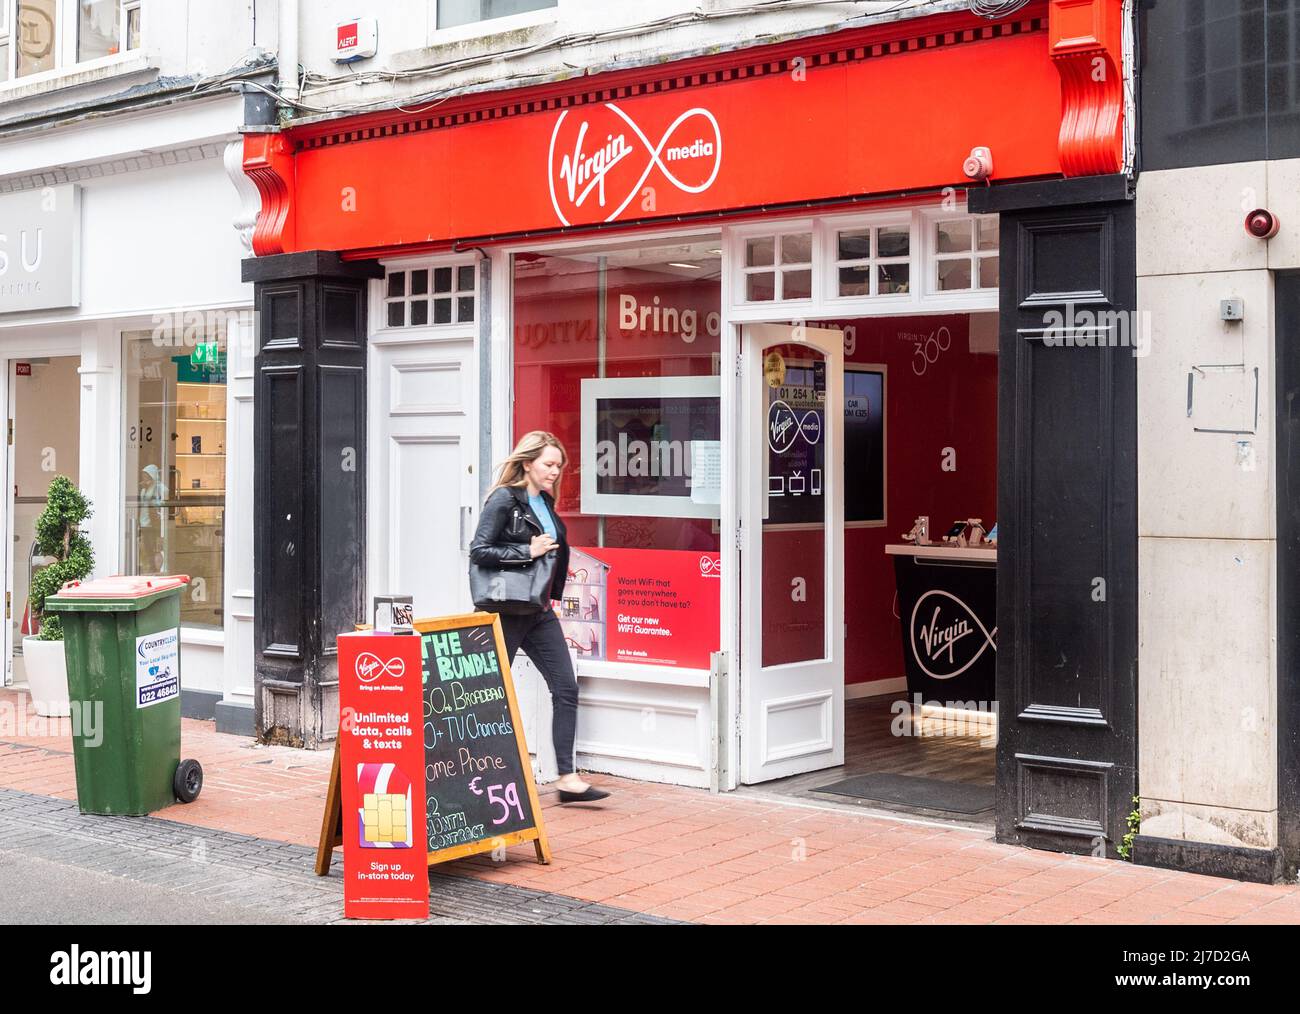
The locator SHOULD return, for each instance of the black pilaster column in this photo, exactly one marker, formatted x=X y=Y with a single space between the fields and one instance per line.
x=309 y=484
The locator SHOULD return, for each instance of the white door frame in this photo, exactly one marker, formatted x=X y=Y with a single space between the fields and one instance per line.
x=6 y=476
x=13 y=351
x=813 y=687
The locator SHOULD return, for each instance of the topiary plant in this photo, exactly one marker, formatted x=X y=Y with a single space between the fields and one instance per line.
x=57 y=535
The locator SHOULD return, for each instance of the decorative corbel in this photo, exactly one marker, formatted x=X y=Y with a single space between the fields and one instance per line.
x=268 y=162
x=1085 y=41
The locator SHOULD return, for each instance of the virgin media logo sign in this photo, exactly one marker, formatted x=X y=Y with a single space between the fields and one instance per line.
x=601 y=161
x=370 y=667
x=947 y=637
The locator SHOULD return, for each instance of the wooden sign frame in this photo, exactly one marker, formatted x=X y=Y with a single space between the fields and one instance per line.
x=331 y=835
x=537 y=833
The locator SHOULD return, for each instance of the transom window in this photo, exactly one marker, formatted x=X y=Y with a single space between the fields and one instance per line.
x=874 y=260
x=966 y=253
x=911 y=260
x=437 y=294
x=778 y=267
x=44 y=35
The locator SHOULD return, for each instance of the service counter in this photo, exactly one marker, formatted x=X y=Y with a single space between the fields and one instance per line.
x=947 y=605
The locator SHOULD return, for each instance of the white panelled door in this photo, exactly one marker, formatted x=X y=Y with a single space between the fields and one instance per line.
x=790 y=498
x=423 y=472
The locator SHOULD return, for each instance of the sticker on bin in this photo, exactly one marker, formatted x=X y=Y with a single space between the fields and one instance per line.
x=384 y=818
x=157 y=667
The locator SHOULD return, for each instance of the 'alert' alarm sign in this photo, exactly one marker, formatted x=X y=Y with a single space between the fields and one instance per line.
x=356 y=39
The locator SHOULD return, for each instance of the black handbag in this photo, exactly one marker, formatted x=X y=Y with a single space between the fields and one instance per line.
x=523 y=588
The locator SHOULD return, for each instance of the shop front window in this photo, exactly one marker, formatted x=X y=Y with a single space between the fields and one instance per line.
x=174 y=464
x=617 y=352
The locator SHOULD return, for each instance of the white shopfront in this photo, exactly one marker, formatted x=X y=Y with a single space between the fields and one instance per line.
x=562 y=335
x=134 y=375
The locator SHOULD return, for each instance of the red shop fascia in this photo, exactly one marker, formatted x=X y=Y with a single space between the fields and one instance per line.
x=890 y=111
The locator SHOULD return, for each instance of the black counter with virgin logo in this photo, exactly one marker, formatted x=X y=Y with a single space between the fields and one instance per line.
x=947 y=605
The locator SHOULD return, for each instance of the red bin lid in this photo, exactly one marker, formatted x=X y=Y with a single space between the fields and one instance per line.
x=123 y=586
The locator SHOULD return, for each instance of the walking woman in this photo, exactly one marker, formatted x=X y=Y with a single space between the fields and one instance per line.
x=519 y=525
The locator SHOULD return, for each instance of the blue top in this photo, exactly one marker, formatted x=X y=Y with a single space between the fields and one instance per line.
x=538 y=504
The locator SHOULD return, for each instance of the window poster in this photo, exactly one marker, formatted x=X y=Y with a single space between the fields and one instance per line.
x=796 y=453
x=646 y=606
x=796 y=438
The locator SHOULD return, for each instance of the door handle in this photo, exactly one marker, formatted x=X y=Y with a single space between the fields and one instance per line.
x=466 y=513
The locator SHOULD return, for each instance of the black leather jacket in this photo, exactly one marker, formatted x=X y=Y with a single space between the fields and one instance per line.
x=506 y=527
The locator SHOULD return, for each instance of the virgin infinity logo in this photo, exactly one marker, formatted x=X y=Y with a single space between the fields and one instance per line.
x=709 y=567
x=370 y=667
x=784 y=427
x=585 y=166
x=937 y=642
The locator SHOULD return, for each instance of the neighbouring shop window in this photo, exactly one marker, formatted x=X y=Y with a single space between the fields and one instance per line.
x=617 y=352
x=778 y=267
x=43 y=35
x=6 y=39
x=436 y=294
x=36 y=32
x=102 y=25
x=966 y=253
x=464 y=12
x=174 y=463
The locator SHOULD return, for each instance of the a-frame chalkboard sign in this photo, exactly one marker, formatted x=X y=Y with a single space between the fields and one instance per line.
x=478 y=778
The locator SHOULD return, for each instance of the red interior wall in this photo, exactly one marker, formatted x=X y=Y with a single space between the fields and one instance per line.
x=954 y=404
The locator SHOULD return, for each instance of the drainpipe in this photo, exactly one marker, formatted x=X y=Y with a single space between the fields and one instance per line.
x=287 y=80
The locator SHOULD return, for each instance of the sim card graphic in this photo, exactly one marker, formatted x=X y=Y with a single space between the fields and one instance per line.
x=384 y=819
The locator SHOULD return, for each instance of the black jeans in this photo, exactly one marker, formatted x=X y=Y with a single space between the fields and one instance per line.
x=542 y=638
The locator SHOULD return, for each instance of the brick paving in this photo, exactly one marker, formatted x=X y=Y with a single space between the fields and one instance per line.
x=684 y=854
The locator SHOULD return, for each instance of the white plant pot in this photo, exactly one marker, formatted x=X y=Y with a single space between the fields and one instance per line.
x=47 y=676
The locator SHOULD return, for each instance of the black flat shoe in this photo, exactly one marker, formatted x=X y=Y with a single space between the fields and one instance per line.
x=590 y=795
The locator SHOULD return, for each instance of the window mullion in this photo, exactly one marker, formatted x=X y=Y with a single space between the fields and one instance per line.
x=65 y=33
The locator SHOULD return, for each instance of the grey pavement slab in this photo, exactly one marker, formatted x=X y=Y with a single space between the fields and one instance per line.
x=63 y=867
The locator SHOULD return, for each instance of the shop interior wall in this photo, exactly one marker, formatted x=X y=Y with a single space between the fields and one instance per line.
x=46 y=444
x=951 y=404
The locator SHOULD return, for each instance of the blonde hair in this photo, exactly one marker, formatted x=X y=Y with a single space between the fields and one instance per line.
x=530 y=447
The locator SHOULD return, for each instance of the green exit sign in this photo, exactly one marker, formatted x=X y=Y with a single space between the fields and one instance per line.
x=205 y=353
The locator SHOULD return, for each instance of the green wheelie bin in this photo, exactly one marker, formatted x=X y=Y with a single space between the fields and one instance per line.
x=121 y=638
